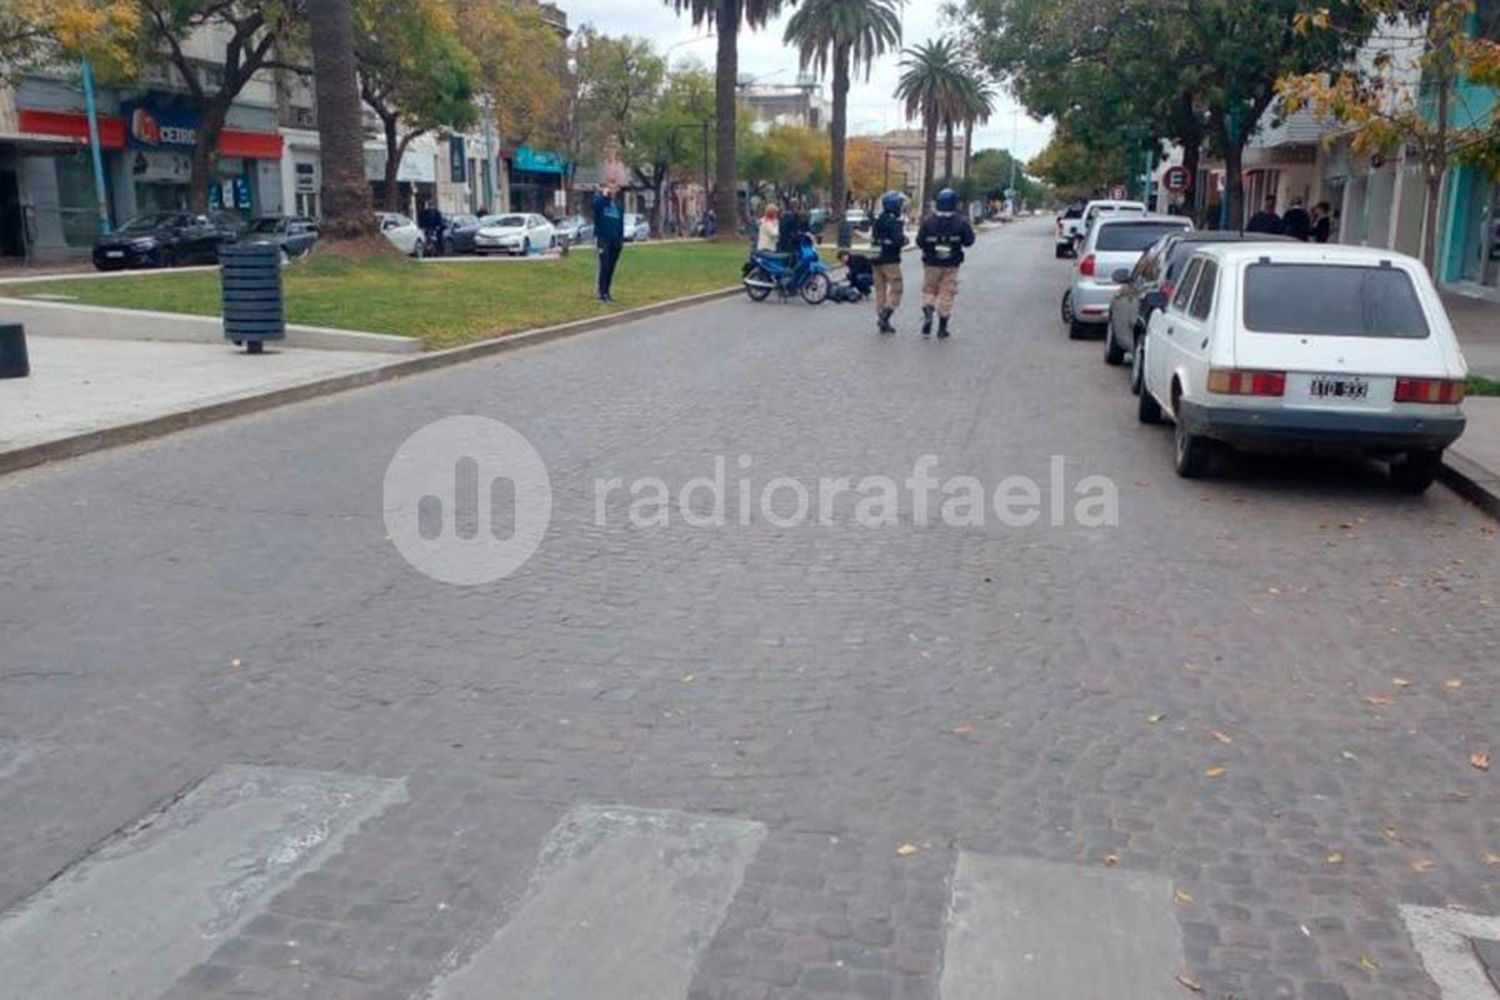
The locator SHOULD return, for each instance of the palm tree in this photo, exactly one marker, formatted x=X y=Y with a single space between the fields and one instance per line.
x=847 y=34
x=979 y=104
x=932 y=86
x=726 y=17
x=341 y=130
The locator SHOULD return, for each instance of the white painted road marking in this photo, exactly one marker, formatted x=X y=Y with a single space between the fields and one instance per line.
x=1442 y=939
x=620 y=907
x=1020 y=929
x=127 y=921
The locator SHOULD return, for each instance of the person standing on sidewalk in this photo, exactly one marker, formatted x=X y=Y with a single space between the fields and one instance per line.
x=943 y=238
x=609 y=237
x=889 y=236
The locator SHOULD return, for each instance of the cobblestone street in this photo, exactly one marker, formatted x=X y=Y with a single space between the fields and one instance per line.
x=1253 y=702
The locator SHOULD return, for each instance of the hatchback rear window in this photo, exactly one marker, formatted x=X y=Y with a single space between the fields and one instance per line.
x=1332 y=300
x=1133 y=236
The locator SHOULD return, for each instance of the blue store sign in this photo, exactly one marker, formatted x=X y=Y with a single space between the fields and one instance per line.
x=149 y=125
x=538 y=161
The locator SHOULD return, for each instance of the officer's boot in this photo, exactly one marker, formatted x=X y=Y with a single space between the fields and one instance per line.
x=927 y=312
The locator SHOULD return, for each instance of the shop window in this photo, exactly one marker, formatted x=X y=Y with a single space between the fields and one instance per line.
x=76 y=204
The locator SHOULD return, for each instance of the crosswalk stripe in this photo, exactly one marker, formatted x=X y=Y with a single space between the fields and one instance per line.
x=1442 y=939
x=1019 y=929
x=127 y=921
x=621 y=905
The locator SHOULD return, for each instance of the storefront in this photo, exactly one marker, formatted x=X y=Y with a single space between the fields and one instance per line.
x=1473 y=245
x=146 y=150
x=536 y=178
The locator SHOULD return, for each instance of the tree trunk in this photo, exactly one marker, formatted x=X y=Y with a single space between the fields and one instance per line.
x=948 y=153
x=1192 y=156
x=840 y=125
x=1436 y=166
x=206 y=155
x=929 y=167
x=1234 y=185
x=341 y=134
x=393 y=150
x=726 y=87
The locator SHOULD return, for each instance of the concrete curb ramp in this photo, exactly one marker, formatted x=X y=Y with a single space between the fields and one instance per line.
x=154 y=427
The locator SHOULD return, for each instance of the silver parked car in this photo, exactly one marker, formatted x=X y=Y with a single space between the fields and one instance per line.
x=1114 y=243
x=637 y=228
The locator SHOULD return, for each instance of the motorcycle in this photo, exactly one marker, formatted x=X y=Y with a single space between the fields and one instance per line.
x=802 y=273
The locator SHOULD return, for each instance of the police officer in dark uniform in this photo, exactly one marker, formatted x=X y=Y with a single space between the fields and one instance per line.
x=943 y=238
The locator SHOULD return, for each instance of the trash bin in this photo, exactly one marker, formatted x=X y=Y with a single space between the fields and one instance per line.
x=14 y=362
x=846 y=235
x=253 y=308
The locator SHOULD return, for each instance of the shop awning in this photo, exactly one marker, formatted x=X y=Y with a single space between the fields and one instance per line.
x=73 y=126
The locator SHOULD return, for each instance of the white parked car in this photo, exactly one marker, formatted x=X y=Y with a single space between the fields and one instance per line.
x=402 y=232
x=1072 y=231
x=516 y=233
x=1290 y=346
x=1114 y=245
x=637 y=228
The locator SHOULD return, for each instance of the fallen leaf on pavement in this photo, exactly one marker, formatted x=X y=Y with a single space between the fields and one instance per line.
x=688 y=678
x=1453 y=685
x=1368 y=964
x=1401 y=682
x=1492 y=859
x=1336 y=858
x=963 y=730
x=1216 y=772
x=235 y=663
x=907 y=850
x=1423 y=865
x=1480 y=760
x=1392 y=834
x=1188 y=982
x=1273 y=590
x=1221 y=737
x=1154 y=719
x=1111 y=861
x=1379 y=700
x=1347 y=755
x=1182 y=898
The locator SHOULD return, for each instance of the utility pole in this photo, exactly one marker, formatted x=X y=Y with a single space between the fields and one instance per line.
x=101 y=194
x=1015 y=133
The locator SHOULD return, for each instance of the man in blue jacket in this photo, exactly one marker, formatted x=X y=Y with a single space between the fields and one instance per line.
x=609 y=237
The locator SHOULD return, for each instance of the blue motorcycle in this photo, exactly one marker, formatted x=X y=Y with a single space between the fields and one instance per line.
x=802 y=273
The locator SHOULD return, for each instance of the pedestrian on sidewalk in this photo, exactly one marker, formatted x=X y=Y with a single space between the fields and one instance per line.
x=889 y=236
x=943 y=237
x=1266 y=220
x=1322 y=227
x=1296 y=223
x=609 y=237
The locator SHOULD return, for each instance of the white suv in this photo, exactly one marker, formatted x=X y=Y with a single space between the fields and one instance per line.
x=1288 y=346
x=1071 y=231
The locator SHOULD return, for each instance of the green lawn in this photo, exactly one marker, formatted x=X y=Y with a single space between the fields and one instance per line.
x=443 y=303
x=1481 y=386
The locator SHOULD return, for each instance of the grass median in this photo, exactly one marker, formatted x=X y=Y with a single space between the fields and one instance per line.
x=445 y=303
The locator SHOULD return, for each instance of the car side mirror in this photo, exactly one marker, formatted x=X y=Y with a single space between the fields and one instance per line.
x=1121 y=276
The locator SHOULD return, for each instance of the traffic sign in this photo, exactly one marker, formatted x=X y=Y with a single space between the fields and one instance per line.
x=1176 y=180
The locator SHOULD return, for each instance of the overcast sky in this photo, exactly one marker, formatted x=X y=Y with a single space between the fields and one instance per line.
x=763 y=54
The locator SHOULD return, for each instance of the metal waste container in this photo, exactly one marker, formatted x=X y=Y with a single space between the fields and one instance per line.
x=14 y=362
x=253 y=308
x=846 y=235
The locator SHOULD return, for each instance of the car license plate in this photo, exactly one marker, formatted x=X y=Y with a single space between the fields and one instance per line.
x=1342 y=387
x=114 y=254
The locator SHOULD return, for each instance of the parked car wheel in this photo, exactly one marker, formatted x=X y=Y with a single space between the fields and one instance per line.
x=1415 y=471
x=166 y=258
x=1192 y=456
x=1114 y=354
x=419 y=249
x=1147 y=409
x=526 y=247
x=1138 y=363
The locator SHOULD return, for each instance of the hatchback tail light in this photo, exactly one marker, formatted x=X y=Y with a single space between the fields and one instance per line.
x=1429 y=390
x=1087 y=265
x=1240 y=382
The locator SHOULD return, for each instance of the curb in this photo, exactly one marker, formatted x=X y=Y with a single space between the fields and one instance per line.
x=1473 y=482
x=154 y=427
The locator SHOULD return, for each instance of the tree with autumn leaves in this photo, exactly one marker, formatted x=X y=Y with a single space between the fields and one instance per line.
x=1404 y=96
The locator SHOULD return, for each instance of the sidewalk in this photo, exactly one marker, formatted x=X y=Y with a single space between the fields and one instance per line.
x=1472 y=465
x=1477 y=323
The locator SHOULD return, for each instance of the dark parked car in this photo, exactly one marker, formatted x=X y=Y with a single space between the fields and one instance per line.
x=459 y=236
x=164 y=239
x=293 y=233
x=1150 y=285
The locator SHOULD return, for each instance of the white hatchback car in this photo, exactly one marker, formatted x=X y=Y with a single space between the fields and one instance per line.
x=515 y=234
x=402 y=232
x=1072 y=231
x=1290 y=346
x=1114 y=244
